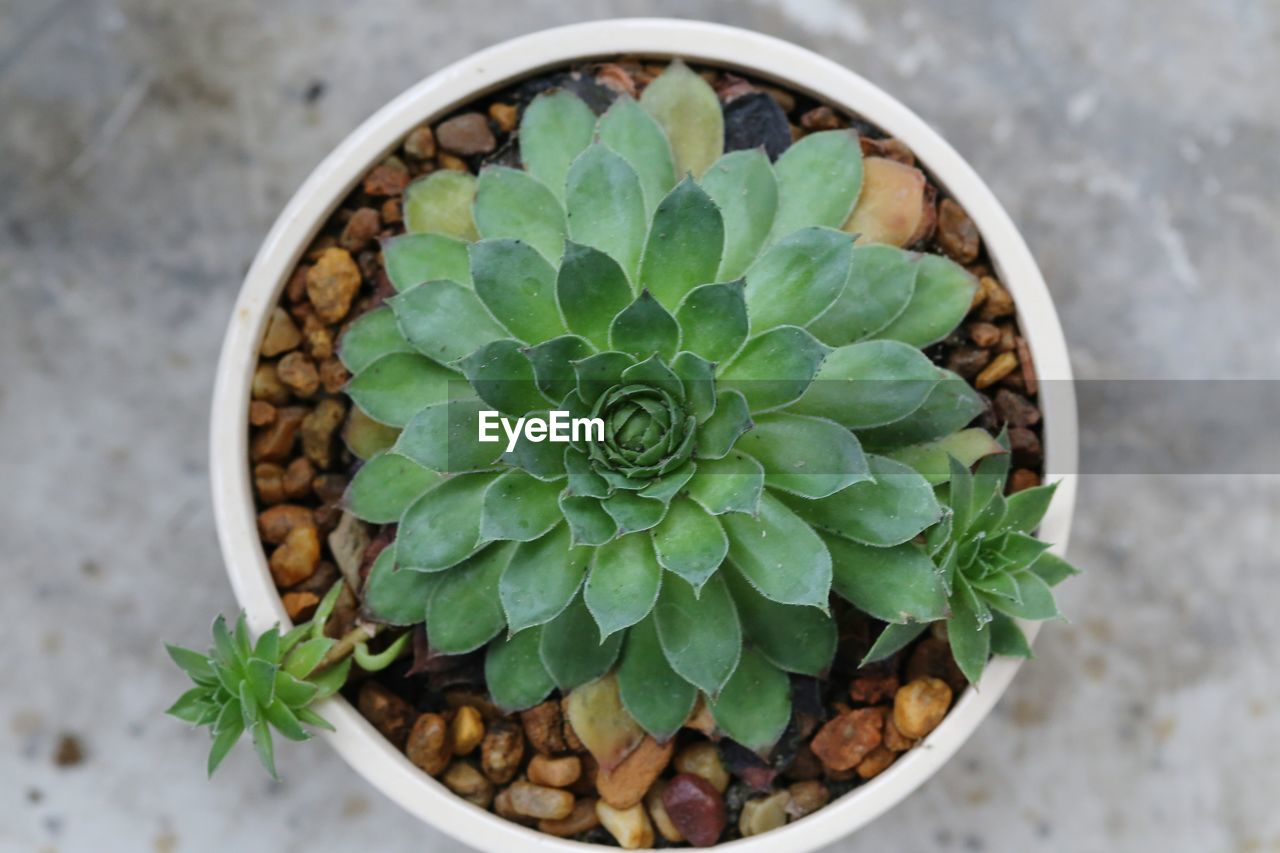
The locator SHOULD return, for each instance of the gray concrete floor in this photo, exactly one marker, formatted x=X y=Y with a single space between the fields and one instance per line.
x=145 y=147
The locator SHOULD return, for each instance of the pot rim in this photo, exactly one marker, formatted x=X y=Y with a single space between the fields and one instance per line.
x=763 y=57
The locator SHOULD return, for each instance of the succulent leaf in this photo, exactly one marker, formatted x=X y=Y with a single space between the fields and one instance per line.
x=605 y=205
x=731 y=418
x=519 y=508
x=644 y=328
x=818 y=181
x=755 y=705
x=572 y=649
x=780 y=554
x=591 y=289
x=442 y=528
x=398 y=385
x=807 y=456
x=628 y=130
x=657 y=697
x=443 y=437
x=798 y=278
x=512 y=204
x=931 y=458
x=793 y=638
x=896 y=584
x=445 y=321
x=892 y=639
x=776 y=368
x=464 y=612
x=870 y=384
x=374 y=335
x=690 y=542
x=365 y=437
x=743 y=186
x=556 y=127
x=518 y=287
x=514 y=672
x=684 y=245
x=623 y=583
x=950 y=406
x=733 y=484
x=893 y=508
x=441 y=203
x=384 y=487
x=942 y=296
x=589 y=523
x=541 y=579
x=713 y=318
x=688 y=110
x=396 y=596
x=882 y=280
x=699 y=631
x=413 y=259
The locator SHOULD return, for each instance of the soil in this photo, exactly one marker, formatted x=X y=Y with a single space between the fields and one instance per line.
x=846 y=728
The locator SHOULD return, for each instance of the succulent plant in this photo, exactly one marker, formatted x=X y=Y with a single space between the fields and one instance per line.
x=242 y=685
x=761 y=389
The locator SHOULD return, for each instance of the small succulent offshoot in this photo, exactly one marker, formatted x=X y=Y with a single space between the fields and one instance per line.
x=255 y=687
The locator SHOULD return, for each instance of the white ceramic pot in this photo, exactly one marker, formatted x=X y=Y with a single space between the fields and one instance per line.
x=760 y=56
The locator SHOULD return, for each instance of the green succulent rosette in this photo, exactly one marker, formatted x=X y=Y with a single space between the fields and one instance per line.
x=771 y=428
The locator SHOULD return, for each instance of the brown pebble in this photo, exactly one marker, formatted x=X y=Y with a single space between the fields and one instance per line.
x=503 y=808
x=820 y=118
x=1025 y=445
x=300 y=605
x=873 y=689
x=268 y=482
x=453 y=164
x=361 y=228
x=957 y=235
x=806 y=798
x=876 y=762
x=554 y=772
x=333 y=375
x=281 y=334
x=996 y=301
x=386 y=712
x=984 y=335
x=932 y=657
x=294 y=560
x=466 y=730
x=501 y=751
x=658 y=813
x=420 y=144
x=702 y=758
x=261 y=413
x=894 y=739
x=319 y=428
x=274 y=442
x=504 y=116
x=388 y=178
x=968 y=361
x=1022 y=479
x=1000 y=367
x=696 y=808
x=1029 y=378
x=544 y=726
x=69 y=751
x=582 y=819
x=296 y=479
x=274 y=524
x=920 y=705
x=332 y=284
x=296 y=288
x=624 y=785
x=539 y=801
x=428 y=744
x=615 y=77
x=891 y=148
x=467 y=134
x=392 y=212
x=1015 y=409
x=330 y=488
x=467 y=782
x=700 y=718
x=845 y=740
x=267 y=387
x=804 y=766
x=298 y=372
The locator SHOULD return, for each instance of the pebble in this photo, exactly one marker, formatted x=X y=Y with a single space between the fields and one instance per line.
x=1015 y=409
x=892 y=206
x=891 y=148
x=296 y=558
x=554 y=772
x=392 y=211
x=696 y=808
x=920 y=705
x=806 y=798
x=300 y=605
x=957 y=235
x=297 y=478
x=386 y=712
x=298 y=373
x=544 y=727
x=702 y=758
x=624 y=786
x=452 y=163
x=420 y=144
x=763 y=814
x=753 y=120
x=539 y=801
x=805 y=765
x=700 y=719
x=658 y=813
x=846 y=739
x=319 y=428
x=876 y=762
x=630 y=827
x=505 y=116
x=69 y=752
x=261 y=412
x=503 y=808
x=984 y=335
x=467 y=782
x=996 y=301
x=968 y=361
x=1025 y=444
x=820 y=118
x=360 y=229
x=428 y=744
x=582 y=819
x=501 y=751
x=1022 y=479
x=333 y=375
x=268 y=482
x=466 y=730
x=615 y=77
x=388 y=178
x=467 y=134
x=275 y=523
x=1000 y=367
x=332 y=283
x=274 y=443
x=281 y=334
x=873 y=689
x=932 y=658
x=894 y=739
x=267 y=387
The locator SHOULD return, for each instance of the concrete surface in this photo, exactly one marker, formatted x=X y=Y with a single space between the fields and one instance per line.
x=145 y=147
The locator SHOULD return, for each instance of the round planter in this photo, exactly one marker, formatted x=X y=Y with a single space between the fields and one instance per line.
x=763 y=57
